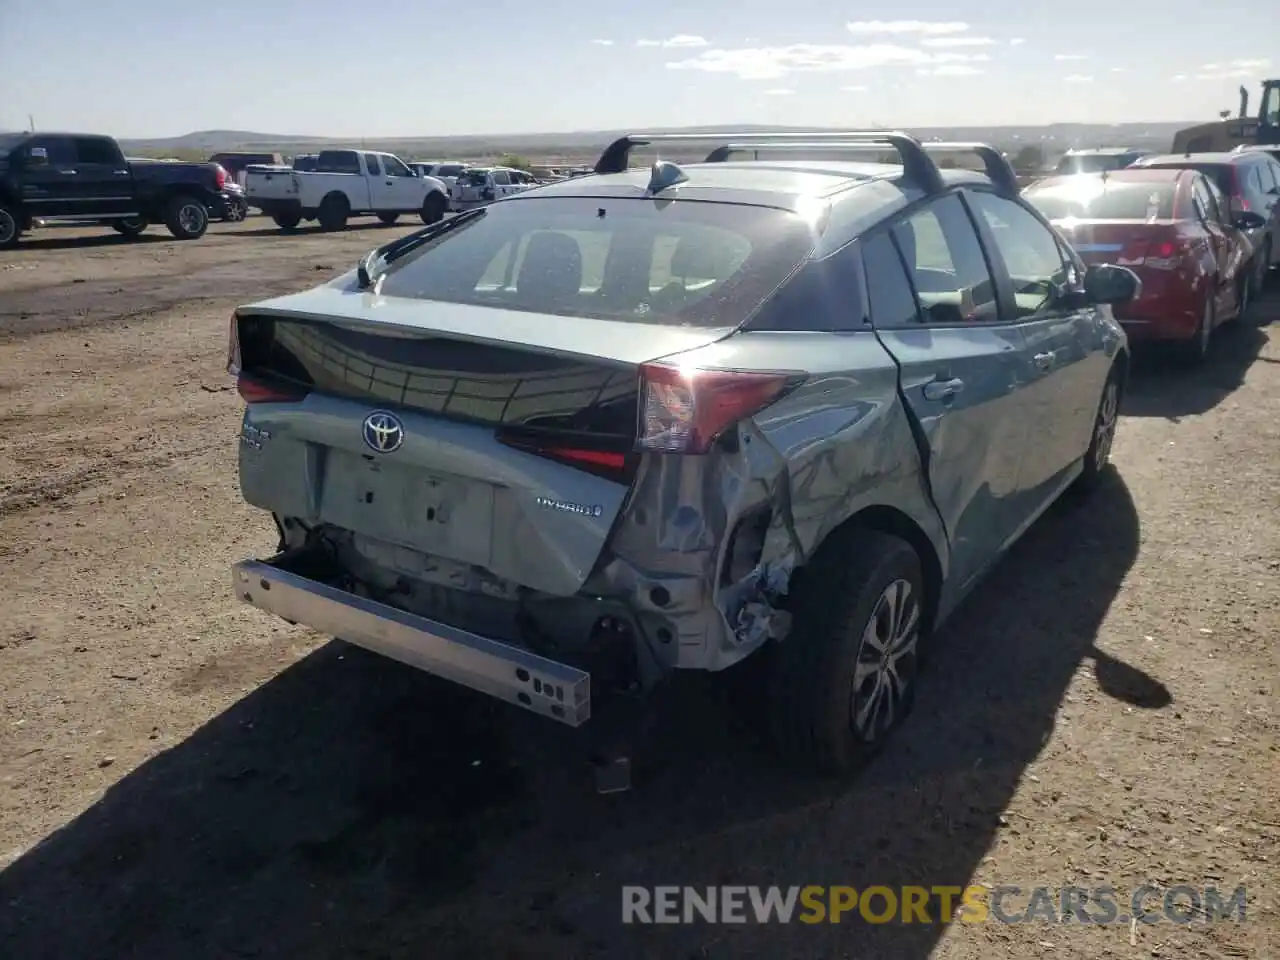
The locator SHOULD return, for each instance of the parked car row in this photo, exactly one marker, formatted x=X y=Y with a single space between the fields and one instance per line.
x=1200 y=230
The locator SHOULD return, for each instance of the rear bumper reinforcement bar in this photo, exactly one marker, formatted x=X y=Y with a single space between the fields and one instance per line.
x=544 y=686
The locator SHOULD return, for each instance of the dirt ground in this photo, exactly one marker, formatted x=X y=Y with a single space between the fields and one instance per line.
x=184 y=777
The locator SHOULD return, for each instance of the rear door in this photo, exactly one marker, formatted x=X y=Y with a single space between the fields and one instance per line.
x=1066 y=345
x=1227 y=243
x=961 y=364
x=49 y=186
x=103 y=180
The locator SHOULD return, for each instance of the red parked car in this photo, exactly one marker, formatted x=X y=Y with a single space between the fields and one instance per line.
x=1175 y=230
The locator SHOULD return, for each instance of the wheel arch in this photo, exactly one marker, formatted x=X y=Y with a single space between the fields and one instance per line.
x=882 y=518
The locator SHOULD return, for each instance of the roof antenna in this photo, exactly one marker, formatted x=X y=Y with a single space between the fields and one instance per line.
x=664 y=174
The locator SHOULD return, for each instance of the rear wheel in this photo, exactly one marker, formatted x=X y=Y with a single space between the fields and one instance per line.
x=389 y=218
x=186 y=217
x=287 y=221
x=1262 y=268
x=9 y=229
x=433 y=208
x=1098 y=456
x=845 y=677
x=129 y=227
x=333 y=212
x=237 y=210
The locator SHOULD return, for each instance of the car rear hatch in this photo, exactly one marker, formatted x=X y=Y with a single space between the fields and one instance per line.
x=488 y=437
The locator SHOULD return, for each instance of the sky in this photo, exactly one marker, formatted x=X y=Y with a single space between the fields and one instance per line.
x=342 y=68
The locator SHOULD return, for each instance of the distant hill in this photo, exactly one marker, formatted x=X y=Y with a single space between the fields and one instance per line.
x=583 y=145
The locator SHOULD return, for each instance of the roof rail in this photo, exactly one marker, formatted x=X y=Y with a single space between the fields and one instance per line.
x=915 y=161
x=998 y=168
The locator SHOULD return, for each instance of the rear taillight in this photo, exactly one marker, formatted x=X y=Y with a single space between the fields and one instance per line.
x=220 y=177
x=684 y=410
x=252 y=389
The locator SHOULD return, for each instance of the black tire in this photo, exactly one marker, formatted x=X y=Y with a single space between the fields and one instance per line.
x=389 y=219
x=10 y=229
x=814 y=705
x=131 y=227
x=1263 y=270
x=237 y=210
x=333 y=212
x=433 y=208
x=1097 y=459
x=186 y=217
x=287 y=221
x=1195 y=351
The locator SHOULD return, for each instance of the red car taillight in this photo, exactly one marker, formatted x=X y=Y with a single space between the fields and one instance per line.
x=219 y=177
x=684 y=410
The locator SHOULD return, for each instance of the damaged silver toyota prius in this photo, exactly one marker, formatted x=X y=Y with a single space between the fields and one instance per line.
x=558 y=447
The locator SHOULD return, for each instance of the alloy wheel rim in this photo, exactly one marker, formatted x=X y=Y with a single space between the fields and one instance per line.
x=191 y=217
x=8 y=226
x=1108 y=412
x=886 y=662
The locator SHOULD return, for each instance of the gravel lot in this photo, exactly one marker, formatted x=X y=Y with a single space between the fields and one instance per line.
x=183 y=777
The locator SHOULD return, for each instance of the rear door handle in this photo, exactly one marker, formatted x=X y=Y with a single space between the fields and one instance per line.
x=943 y=389
x=1044 y=360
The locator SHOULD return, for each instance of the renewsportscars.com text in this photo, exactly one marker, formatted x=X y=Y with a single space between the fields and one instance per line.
x=1005 y=903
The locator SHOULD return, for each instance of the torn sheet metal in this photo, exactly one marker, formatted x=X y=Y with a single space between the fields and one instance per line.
x=751 y=604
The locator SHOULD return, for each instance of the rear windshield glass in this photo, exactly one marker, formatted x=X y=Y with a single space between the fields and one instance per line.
x=682 y=263
x=1094 y=162
x=1222 y=174
x=447 y=170
x=473 y=178
x=1092 y=198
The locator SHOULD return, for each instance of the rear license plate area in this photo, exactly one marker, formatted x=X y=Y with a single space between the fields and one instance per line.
x=409 y=505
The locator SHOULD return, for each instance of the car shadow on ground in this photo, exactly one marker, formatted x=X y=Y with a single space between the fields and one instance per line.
x=1161 y=385
x=46 y=239
x=310 y=229
x=353 y=808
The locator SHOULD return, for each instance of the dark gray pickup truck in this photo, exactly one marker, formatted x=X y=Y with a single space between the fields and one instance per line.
x=85 y=178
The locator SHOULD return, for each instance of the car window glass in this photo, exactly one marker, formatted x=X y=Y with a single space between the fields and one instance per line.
x=500 y=177
x=893 y=304
x=945 y=260
x=371 y=165
x=1029 y=249
x=96 y=151
x=58 y=150
x=395 y=168
x=691 y=264
x=1217 y=206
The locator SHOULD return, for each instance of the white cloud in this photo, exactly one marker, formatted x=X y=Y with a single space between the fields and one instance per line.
x=1017 y=42
x=950 y=70
x=1235 y=70
x=779 y=92
x=770 y=63
x=1078 y=78
x=956 y=42
x=1119 y=69
x=897 y=27
x=1070 y=56
x=603 y=43
x=680 y=40
x=855 y=89
x=1178 y=77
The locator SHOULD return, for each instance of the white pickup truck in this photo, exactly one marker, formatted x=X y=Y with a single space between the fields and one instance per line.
x=344 y=184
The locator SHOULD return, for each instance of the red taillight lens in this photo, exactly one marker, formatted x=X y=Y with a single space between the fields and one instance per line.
x=594 y=458
x=684 y=410
x=1135 y=251
x=220 y=177
x=259 y=391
